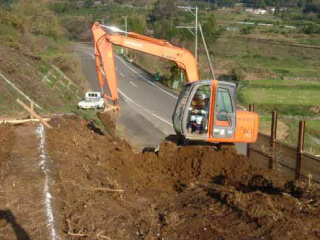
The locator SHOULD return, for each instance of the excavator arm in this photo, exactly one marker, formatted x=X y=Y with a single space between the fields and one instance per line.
x=104 y=56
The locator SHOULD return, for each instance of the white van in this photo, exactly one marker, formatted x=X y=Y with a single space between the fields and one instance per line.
x=93 y=100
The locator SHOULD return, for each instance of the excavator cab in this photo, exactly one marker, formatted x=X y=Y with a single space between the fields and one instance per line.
x=206 y=110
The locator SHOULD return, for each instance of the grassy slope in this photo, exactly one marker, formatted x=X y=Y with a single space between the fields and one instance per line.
x=28 y=57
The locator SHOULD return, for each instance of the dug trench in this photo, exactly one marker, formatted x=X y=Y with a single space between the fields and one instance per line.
x=105 y=190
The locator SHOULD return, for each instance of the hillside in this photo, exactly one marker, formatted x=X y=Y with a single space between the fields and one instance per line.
x=37 y=59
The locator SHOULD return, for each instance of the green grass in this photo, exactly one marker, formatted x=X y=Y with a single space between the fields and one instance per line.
x=311 y=141
x=288 y=97
x=8 y=34
x=44 y=68
x=312 y=41
x=260 y=57
x=65 y=81
x=265 y=124
x=68 y=96
x=61 y=87
x=57 y=74
x=53 y=80
x=313 y=127
x=284 y=84
x=286 y=67
x=89 y=115
x=73 y=88
x=284 y=96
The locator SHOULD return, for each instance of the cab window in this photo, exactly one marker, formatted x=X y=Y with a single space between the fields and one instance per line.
x=223 y=105
x=177 y=117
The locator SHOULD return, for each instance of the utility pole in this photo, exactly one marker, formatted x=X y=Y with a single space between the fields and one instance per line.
x=207 y=52
x=195 y=33
x=126 y=29
x=126 y=24
x=196 y=36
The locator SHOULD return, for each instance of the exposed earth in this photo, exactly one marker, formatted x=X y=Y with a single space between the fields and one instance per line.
x=102 y=189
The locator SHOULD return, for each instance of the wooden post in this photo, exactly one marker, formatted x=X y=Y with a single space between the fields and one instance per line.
x=34 y=114
x=273 y=138
x=251 y=109
x=32 y=110
x=302 y=125
x=19 y=121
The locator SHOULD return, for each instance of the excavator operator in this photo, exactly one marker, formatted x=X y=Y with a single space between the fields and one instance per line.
x=198 y=114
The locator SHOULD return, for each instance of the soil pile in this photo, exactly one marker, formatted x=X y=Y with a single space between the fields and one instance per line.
x=105 y=190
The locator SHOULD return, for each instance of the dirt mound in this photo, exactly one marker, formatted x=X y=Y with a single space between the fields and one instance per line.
x=106 y=190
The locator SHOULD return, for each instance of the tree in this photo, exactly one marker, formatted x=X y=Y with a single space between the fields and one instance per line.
x=163 y=9
x=165 y=29
x=88 y=3
x=311 y=28
x=210 y=29
x=163 y=19
x=6 y=3
x=312 y=6
x=137 y=24
x=226 y=3
x=36 y=18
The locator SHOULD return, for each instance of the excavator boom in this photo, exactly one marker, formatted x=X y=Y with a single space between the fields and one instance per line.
x=160 y=48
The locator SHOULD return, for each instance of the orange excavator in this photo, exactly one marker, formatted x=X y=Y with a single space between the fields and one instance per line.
x=206 y=110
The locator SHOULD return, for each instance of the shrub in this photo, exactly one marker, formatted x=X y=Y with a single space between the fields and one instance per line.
x=311 y=28
x=36 y=18
x=247 y=30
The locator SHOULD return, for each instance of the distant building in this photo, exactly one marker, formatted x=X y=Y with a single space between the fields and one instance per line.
x=232 y=29
x=271 y=10
x=260 y=11
x=256 y=11
x=249 y=10
x=56 y=1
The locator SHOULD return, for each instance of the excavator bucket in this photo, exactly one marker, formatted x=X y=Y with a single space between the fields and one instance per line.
x=109 y=121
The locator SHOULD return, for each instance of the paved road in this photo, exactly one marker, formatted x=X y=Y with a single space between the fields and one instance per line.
x=146 y=107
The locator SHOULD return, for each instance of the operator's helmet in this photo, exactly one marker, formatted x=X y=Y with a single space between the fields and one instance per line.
x=204 y=96
x=201 y=96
